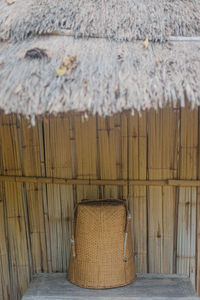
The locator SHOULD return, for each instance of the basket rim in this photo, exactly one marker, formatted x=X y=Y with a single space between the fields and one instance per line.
x=100 y=202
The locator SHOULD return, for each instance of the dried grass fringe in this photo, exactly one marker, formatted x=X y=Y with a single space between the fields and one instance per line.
x=109 y=77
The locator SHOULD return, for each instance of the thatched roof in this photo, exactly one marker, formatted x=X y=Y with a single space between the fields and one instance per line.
x=111 y=70
x=114 y=19
x=106 y=77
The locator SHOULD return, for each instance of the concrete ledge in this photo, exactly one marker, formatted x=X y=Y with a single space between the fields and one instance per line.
x=54 y=286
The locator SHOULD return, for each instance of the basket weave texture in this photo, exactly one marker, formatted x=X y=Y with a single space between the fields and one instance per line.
x=99 y=246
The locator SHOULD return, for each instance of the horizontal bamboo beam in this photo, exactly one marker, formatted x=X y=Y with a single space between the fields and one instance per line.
x=122 y=182
x=147 y=182
x=185 y=183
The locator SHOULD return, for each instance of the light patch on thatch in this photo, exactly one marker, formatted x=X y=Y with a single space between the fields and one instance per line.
x=101 y=76
x=125 y=20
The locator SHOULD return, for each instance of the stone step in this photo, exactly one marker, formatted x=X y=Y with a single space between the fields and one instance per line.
x=55 y=286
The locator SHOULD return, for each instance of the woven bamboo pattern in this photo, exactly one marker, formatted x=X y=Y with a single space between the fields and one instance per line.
x=100 y=243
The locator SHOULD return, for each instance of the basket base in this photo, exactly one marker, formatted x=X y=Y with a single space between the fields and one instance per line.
x=102 y=287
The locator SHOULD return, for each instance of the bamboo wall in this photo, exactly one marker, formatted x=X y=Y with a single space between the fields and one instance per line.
x=35 y=214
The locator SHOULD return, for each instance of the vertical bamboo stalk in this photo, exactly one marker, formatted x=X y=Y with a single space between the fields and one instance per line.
x=15 y=207
x=198 y=244
x=162 y=164
x=37 y=228
x=59 y=198
x=170 y=119
x=32 y=166
x=86 y=155
x=112 y=152
x=5 y=291
x=198 y=216
x=137 y=163
x=19 y=251
x=186 y=237
x=11 y=160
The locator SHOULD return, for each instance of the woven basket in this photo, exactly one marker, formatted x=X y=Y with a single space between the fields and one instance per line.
x=101 y=255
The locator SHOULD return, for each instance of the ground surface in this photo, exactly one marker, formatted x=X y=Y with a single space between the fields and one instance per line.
x=160 y=287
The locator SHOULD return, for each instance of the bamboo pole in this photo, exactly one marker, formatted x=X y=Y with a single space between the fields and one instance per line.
x=188 y=168
x=123 y=182
x=185 y=183
x=198 y=243
x=137 y=195
x=198 y=217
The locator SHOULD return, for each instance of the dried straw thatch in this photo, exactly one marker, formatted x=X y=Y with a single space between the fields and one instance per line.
x=108 y=72
x=115 y=19
x=108 y=77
